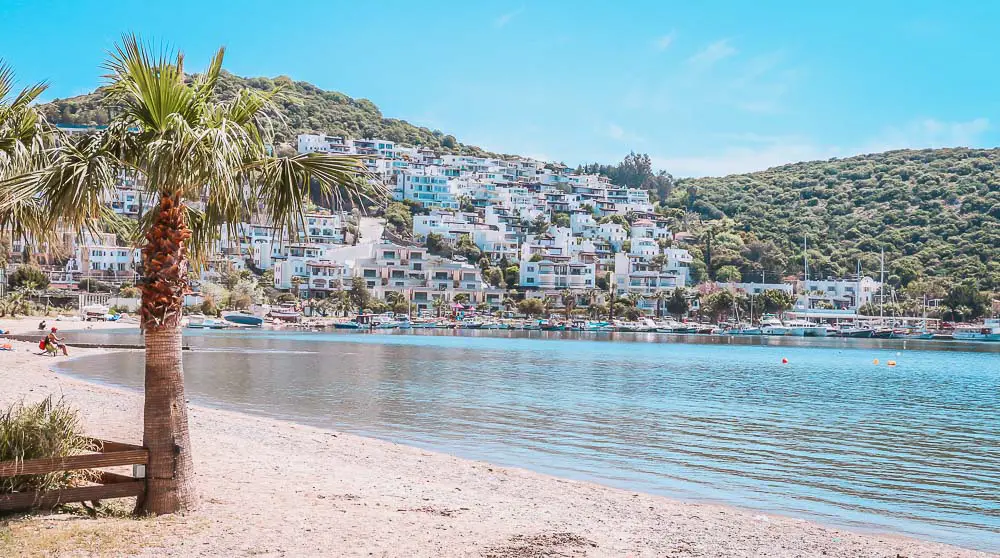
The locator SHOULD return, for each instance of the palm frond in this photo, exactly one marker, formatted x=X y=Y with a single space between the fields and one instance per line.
x=283 y=184
x=149 y=89
x=205 y=85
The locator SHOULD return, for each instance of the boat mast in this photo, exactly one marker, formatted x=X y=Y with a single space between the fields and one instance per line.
x=857 y=295
x=805 y=260
x=881 y=287
x=805 y=270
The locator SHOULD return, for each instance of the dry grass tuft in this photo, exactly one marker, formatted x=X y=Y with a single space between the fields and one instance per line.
x=48 y=428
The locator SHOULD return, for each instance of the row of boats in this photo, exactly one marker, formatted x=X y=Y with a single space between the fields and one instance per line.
x=768 y=325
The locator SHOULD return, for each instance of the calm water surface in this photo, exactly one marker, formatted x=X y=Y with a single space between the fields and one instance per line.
x=830 y=436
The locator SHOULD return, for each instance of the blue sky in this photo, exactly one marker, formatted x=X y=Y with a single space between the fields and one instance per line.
x=706 y=88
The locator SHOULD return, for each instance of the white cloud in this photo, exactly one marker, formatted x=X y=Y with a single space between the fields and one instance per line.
x=752 y=152
x=712 y=53
x=663 y=42
x=506 y=18
x=617 y=133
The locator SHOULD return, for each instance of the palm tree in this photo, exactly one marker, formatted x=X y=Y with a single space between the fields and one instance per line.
x=660 y=297
x=439 y=304
x=508 y=303
x=296 y=282
x=209 y=164
x=634 y=299
x=342 y=303
x=568 y=299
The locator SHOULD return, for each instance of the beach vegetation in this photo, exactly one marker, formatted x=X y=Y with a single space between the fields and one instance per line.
x=91 y=285
x=44 y=429
x=532 y=307
x=28 y=275
x=359 y=294
x=678 y=303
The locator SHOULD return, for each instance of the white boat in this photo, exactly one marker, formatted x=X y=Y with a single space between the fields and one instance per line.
x=805 y=328
x=668 y=325
x=285 y=312
x=771 y=325
x=989 y=330
x=199 y=321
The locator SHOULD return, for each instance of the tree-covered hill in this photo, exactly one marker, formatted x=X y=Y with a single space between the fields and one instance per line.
x=936 y=212
x=305 y=108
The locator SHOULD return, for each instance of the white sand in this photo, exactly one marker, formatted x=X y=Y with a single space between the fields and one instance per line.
x=279 y=489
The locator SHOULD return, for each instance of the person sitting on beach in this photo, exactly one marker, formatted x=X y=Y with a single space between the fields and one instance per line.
x=41 y=326
x=56 y=341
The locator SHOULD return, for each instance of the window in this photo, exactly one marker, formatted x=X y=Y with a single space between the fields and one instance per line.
x=530 y=280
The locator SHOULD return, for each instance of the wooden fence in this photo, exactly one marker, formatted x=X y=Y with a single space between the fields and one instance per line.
x=109 y=485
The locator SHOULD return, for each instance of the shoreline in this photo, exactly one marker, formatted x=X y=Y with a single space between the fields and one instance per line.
x=275 y=487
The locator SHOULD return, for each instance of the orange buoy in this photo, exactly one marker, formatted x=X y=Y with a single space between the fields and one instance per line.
x=875 y=361
x=891 y=363
x=784 y=361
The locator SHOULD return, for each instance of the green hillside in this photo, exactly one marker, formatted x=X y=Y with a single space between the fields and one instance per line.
x=305 y=109
x=936 y=212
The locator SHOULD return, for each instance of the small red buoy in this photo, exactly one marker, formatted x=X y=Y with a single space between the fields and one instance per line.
x=784 y=361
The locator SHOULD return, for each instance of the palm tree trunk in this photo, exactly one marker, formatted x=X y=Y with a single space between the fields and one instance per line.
x=169 y=475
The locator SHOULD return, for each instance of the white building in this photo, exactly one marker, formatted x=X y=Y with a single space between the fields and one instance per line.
x=758 y=288
x=613 y=233
x=426 y=186
x=324 y=228
x=646 y=228
x=556 y=273
x=840 y=293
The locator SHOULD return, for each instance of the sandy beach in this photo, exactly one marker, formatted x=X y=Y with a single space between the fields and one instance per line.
x=272 y=488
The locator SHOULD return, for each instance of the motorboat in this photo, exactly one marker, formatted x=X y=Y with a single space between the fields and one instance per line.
x=857 y=332
x=805 y=328
x=668 y=325
x=771 y=325
x=243 y=319
x=471 y=323
x=552 y=325
x=199 y=321
x=989 y=330
x=286 y=313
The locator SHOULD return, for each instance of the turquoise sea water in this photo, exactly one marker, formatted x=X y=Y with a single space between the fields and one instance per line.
x=830 y=436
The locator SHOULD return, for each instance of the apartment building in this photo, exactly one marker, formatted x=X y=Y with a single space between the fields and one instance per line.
x=843 y=294
x=554 y=273
x=427 y=186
